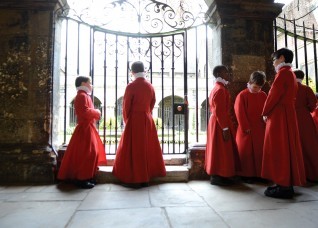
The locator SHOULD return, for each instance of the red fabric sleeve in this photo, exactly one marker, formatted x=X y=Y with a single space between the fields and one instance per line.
x=84 y=109
x=274 y=95
x=127 y=101
x=153 y=101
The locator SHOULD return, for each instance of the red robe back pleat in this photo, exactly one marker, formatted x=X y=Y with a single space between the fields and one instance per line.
x=139 y=156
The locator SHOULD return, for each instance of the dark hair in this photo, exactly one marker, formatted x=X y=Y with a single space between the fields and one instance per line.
x=258 y=78
x=288 y=54
x=316 y=95
x=299 y=74
x=217 y=69
x=80 y=79
x=137 y=67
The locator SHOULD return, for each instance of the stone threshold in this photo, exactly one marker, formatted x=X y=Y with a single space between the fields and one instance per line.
x=173 y=159
x=175 y=173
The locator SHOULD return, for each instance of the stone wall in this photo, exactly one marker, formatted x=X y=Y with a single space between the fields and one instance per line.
x=26 y=50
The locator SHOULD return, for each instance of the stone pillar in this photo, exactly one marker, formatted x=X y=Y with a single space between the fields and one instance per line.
x=26 y=85
x=243 y=38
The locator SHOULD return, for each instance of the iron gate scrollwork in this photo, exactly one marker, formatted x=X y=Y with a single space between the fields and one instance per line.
x=104 y=48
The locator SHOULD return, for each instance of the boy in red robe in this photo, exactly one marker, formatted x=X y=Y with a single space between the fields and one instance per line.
x=85 y=152
x=221 y=156
x=282 y=155
x=248 y=109
x=314 y=114
x=305 y=104
x=139 y=157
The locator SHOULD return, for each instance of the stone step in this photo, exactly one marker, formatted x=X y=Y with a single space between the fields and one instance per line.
x=175 y=159
x=175 y=173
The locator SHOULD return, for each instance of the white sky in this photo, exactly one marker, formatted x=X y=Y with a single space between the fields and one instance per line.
x=283 y=1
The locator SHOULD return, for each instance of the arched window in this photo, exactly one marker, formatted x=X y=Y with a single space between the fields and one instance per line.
x=166 y=108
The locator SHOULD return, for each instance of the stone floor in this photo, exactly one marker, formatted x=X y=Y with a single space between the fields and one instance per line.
x=194 y=204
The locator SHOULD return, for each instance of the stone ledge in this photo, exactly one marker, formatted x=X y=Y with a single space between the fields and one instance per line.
x=174 y=174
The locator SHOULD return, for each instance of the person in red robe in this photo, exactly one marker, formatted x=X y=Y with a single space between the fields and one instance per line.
x=248 y=109
x=305 y=104
x=282 y=155
x=314 y=114
x=85 y=151
x=139 y=156
x=221 y=156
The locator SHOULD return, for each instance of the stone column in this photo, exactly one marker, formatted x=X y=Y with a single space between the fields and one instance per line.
x=26 y=85
x=243 y=40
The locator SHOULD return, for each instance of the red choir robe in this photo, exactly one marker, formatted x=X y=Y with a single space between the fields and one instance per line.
x=282 y=155
x=305 y=104
x=221 y=157
x=314 y=115
x=248 y=109
x=85 y=151
x=139 y=157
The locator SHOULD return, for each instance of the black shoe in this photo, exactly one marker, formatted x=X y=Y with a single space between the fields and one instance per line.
x=221 y=181
x=84 y=184
x=93 y=181
x=280 y=192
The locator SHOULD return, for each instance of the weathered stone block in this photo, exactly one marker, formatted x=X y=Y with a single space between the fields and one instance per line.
x=197 y=160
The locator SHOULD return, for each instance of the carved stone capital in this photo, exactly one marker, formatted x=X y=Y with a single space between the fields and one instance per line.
x=224 y=10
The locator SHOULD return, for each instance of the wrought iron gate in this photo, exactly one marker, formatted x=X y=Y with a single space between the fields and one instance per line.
x=106 y=56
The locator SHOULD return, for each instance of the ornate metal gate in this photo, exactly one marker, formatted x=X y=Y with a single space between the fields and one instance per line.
x=105 y=49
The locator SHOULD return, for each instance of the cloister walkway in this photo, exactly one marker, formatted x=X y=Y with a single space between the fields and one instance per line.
x=192 y=204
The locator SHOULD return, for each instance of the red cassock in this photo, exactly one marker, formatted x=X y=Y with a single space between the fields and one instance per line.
x=221 y=157
x=139 y=157
x=85 y=151
x=314 y=115
x=305 y=104
x=282 y=159
x=248 y=109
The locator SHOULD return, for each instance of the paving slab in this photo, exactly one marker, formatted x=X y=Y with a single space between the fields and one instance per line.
x=36 y=214
x=120 y=218
x=97 y=200
x=201 y=217
x=267 y=218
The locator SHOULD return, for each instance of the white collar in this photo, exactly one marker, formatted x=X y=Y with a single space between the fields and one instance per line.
x=282 y=65
x=250 y=90
x=223 y=81
x=299 y=80
x=139 y=75
x=84 y=88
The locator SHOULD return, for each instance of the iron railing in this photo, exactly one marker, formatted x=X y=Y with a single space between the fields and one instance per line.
x=106 y=56
x=302 y=41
